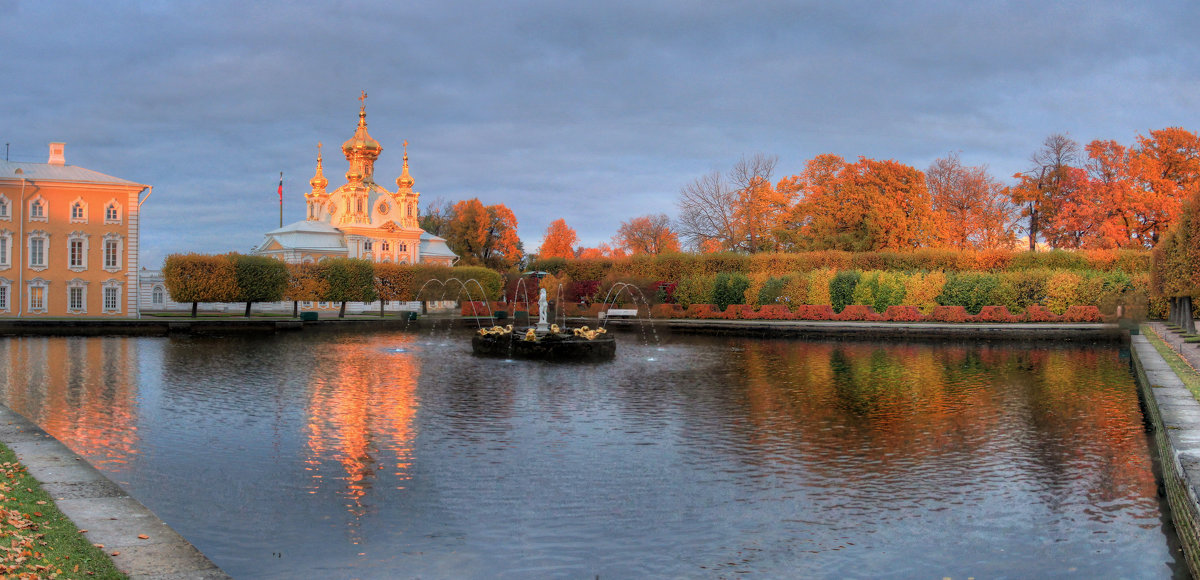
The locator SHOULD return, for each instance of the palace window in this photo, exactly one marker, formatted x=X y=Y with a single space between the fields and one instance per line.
x=367 y=246
x=112 y=297
x=360 y=206
x=39 y=244
x=157 y=295
x=5 y=249
x=77 y=248
x=37 y=295
x=383 y=247
x=112 y=212
x=77 y=296
x=78 y=211
x=4 y=212
x=5 y=284
x=37 y=210
x=383 y=208
x=112 y=252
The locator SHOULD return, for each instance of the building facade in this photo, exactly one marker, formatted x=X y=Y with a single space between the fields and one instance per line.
x=360 y=219
x=68 y=240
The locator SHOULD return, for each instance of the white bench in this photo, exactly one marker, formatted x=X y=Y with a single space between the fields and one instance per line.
x=630 y=312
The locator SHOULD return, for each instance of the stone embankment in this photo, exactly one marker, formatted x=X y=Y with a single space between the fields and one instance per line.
x=1175 y=415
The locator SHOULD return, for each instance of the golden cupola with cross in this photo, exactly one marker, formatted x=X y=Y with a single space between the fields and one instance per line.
x=360 y=219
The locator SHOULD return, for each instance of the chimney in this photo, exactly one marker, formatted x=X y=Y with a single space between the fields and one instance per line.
x=56 y=154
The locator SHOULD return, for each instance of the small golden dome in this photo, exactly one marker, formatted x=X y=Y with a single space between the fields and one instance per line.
x=405 y=181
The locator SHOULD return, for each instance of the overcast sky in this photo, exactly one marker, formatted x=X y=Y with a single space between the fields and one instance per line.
x=594 y=112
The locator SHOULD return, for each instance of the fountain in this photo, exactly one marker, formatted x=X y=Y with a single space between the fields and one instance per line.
x=545 y=341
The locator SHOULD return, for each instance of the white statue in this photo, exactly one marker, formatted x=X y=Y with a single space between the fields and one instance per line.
x=542 y=307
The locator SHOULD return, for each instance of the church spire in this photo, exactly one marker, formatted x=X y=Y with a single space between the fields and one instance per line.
x=318 y=181
x=405 y=181
x=361 y=150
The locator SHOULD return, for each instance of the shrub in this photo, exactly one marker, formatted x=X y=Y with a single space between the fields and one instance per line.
x=841 y=289
x=995 y=314
x=729 y=288
x=953 y=313
x=739 y=312
x=814 y=312
x=771 y=291
x=890 y=290
x=971 y=290
x=694 y=290
x=903 y=314
x=703 y=311
x=774 y=312
x=922 y=289
x=1017 y=290
x=1061 y=291
x=864 y=290
x=1080 y=313
x=858 y=312
x=666 y=311
x=795 y=290
x=1039 y=313
x=819 y=282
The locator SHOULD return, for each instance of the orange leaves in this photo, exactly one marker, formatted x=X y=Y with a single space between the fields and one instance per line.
x=559 y=241
x=649 y=234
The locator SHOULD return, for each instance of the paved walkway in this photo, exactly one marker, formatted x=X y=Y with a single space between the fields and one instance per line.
x=98 y=505
x=1190 y=351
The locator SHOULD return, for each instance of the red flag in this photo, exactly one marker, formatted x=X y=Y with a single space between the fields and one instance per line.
x=280 y=187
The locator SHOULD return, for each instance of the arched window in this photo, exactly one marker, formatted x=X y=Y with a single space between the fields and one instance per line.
x=157 y=296
x=112 y=212
x=78 y=211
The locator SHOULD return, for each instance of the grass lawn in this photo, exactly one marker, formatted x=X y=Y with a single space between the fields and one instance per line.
x=37 y=540
x=1189 y=376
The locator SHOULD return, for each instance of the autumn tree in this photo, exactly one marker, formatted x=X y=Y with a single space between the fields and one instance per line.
x=304 y=285
x=347 y=280
x=650 y=234
x=739 y=211
x=603 y=250
x=436 y=217
x=483 y=235
x=393 y=282
x=1166 y=165
x=862 y=206
x=259 y=279
x=559 y=241
x=199 y=278
x=1044 y=186
x=977 y=210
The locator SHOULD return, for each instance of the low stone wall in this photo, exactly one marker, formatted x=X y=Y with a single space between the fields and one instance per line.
x=1175 y=416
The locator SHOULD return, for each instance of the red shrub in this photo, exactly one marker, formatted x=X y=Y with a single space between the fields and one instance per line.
x=474 y=308
x=949 y=314
x=738 y=312
x=858 y=312
x=814 y=312
x=666 y=311
x=702 y=311
x=1082 y=314
x=1039 y=313
x=903 y=314
x=774 y=312
x=995 y=314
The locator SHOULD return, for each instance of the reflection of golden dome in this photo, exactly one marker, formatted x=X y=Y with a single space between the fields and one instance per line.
x=362 y=143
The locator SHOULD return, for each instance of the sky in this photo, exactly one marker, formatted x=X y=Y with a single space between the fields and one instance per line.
x=593 y=112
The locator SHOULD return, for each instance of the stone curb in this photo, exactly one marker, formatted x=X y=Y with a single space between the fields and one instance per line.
x=96 y=504
x=1175 y=415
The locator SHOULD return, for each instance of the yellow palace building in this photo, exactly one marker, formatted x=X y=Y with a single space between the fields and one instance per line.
x=360 y=219
x=68 y=240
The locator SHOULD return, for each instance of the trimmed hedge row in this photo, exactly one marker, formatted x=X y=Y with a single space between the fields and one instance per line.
x=678 y=266
x=860 y=312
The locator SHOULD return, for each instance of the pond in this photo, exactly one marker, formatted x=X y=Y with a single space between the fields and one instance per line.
x=400 y=454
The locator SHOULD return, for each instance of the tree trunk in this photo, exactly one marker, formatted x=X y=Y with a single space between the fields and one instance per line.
x=295 y=309
x=342 y=310
x=194 y=305
x=1189 y=324
x=248 y=309
x=382 y=303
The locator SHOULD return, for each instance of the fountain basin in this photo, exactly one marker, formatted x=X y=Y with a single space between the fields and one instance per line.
x=554 y=347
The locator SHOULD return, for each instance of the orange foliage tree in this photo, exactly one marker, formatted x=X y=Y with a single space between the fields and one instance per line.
x=559 y=241
x=978 y=213
x=867 y=205
x=740 y=211
x=649 y=234
x=1043 y=187
x=483 y=235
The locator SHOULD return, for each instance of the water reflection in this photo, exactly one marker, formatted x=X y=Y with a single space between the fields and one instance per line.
x=80 y=390
x=384 y=455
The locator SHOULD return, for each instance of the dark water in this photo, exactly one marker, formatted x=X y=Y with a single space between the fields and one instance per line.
x=400 y=455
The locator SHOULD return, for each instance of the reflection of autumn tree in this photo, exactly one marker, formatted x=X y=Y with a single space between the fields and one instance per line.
x=83 y=391
x=850 y=410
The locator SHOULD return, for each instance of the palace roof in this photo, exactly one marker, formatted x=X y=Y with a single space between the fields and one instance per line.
x=16 y=170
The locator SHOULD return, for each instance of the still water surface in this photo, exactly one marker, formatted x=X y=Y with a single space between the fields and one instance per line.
x=396 y=455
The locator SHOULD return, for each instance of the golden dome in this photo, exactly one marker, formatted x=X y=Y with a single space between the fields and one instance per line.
x=405 y=181
x=318 y=182
x=362 y=143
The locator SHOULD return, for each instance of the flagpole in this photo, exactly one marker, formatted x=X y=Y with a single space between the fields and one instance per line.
x=281 y=199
